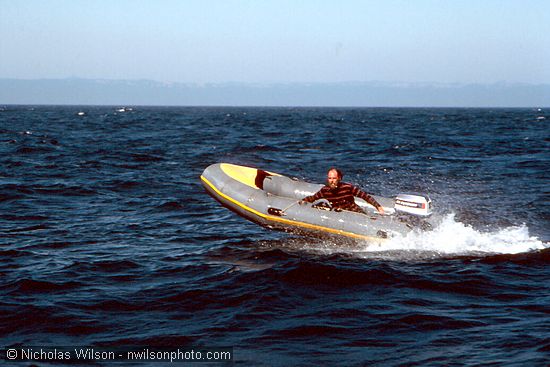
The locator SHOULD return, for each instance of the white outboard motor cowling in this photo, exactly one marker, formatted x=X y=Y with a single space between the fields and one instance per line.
x=413 y=204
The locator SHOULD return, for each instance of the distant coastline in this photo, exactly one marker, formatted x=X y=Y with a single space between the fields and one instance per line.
x=75 y=91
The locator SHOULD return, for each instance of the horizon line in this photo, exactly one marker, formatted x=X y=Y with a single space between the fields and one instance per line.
x=267 y=106
x=253 y=83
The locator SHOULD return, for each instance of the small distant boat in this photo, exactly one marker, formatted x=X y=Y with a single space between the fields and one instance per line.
x=271 y=200
x=124 y=109
x=81 y=113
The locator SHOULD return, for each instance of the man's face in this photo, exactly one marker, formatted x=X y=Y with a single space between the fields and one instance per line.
x=333 y=179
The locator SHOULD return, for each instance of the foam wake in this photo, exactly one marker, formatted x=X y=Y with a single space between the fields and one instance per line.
x=450 y=237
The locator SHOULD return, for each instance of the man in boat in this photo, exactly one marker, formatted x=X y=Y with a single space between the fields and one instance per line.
x=341 y=194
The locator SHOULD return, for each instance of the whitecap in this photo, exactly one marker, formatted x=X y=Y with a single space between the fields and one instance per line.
x=449 y=238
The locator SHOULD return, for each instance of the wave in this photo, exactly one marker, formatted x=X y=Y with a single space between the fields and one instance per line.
x=137 y=157
x=104 y=266
x=450 y=238
x=34 y=150
x=163 y=340
x=34 y=319
x=310 y=273
x=170 y=206
x=426 y=322
x=11 y=217
x=121 y=185
x=456 y=238
x=27 y=229
x=27 y=286
x=14 y=192
x=62 y=190
x=11 y=254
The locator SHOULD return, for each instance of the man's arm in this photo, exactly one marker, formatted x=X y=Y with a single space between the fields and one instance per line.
x=318 y=195
x=368 y=198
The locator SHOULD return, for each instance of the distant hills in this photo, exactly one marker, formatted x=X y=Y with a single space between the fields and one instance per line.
x=76 y=91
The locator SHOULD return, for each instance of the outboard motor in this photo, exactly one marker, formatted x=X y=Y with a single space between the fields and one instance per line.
x=413 y=204
x=413 y=209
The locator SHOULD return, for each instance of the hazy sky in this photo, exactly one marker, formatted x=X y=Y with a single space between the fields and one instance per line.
x=464 y=41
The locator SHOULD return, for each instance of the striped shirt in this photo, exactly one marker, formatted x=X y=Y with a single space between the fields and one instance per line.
x=342 y=197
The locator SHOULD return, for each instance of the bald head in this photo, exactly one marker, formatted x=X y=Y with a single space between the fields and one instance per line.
x=334 y=176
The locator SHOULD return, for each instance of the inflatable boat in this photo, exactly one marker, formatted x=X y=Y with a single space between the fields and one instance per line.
x=272 y=200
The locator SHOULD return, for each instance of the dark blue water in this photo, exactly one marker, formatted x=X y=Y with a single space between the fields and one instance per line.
x=108 y=239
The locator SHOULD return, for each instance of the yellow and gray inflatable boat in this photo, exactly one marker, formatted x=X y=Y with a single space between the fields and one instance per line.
x=272 y=200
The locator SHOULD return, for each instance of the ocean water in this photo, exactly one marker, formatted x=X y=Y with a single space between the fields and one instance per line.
x=107 y=237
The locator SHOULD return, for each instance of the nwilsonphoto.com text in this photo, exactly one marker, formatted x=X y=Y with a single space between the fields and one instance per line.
x=146 y=354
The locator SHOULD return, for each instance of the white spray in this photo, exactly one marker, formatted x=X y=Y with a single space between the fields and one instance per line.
x=448 y=238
